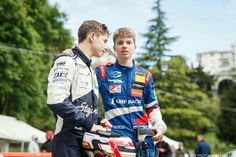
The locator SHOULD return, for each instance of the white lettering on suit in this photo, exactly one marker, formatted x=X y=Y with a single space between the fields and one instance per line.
x=84 y=107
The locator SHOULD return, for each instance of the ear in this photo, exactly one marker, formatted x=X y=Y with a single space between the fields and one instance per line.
x=92 y=36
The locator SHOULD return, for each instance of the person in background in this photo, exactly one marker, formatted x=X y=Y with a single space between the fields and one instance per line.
x=202 y=148
x=72 y=91
x=47 y=146
x=33 y=144
x=128 y=93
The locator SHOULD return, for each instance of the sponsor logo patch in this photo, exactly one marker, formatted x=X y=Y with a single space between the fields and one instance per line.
x=137 y=86
x=139 y=77
x=61 y=69
x=123 y=101
x=118 y=127
x=115 y=88
x=136 y=92
x=60 y=80
x=61 y=64
x=115 y=81
x=60 y=74
x=115 y=74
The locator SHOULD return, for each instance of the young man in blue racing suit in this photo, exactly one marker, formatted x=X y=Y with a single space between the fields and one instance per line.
x=72 y=91
x=128 y=92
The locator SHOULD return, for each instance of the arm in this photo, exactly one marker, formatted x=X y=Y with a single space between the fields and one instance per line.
x=152 y=107
x=104 y=122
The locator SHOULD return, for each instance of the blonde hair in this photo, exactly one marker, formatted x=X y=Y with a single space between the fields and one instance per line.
x=124 y=32
x=91 y=26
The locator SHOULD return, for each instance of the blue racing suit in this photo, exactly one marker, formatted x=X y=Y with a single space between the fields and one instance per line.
x=129 y=99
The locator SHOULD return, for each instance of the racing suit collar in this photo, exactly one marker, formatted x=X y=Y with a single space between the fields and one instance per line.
x=124 y=68
x=82 y=56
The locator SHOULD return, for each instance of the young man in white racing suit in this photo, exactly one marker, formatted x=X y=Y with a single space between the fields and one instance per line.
x=72 y=91
x=128 y=93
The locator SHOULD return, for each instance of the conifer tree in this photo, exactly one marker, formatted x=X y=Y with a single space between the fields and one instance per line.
x=157 y=42
x=185 y=108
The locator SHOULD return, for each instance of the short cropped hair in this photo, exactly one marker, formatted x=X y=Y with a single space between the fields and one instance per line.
x=124 y=32
x=91 y=26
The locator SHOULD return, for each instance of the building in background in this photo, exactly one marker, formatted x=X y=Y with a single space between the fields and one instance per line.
x=221 y=64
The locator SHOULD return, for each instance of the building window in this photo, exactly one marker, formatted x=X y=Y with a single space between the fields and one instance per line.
x=224 y=62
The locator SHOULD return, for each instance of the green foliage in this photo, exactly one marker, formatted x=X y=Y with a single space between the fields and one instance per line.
x=186 y=110
x=27 y=27
x=227 y=118
x=157 y=40
x=204 y=80
x=33 y=25
x=48 y=18
x=22 y=84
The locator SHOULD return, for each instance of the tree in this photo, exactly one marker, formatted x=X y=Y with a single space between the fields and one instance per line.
x=33 y=25
x=48 y=18
x=28 y=29
x=186 y=110
x=204 y=80
x=227 y=119
x=22 y=85
x=157 y=40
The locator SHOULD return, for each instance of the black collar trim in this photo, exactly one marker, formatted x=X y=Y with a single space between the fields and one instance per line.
x=82 y=56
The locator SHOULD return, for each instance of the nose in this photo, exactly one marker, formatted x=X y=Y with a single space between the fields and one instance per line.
x=106 y=47
x=124 y=45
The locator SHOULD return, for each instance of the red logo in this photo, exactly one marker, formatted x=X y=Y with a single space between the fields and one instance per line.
x=115 y=88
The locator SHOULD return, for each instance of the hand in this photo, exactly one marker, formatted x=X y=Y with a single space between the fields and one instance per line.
x=162 y=150
x=106 y=124
x=159 y=135
x=97 y=127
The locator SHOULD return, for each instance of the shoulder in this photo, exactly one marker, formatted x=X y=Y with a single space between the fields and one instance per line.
x=141 y=69
x=64 y=60
x=104 y=67
x=147 y=73
x=101 y=71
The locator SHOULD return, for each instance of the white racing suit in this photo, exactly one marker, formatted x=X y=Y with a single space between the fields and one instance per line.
x=72 y=96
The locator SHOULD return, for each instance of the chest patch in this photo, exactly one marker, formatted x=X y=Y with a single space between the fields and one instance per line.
x=115 y=88
x=139 y=77
x=137 y=92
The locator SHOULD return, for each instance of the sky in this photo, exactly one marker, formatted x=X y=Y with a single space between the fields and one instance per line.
x=201 y=25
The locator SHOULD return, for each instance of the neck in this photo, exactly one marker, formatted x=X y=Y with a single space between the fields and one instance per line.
x=127 y=63
x=85 y=48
